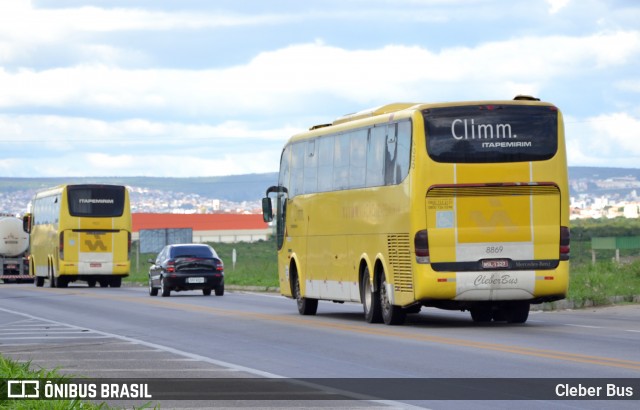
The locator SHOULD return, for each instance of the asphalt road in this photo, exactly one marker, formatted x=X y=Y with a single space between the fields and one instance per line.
x=124 y=333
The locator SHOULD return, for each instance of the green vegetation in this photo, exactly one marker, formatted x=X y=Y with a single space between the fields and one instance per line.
x=10 y=369
x=256 y=264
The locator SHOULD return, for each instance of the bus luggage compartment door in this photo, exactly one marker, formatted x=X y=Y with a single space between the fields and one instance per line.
x=494 y=237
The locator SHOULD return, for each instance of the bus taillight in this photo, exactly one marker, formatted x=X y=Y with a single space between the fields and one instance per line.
x=565 y=243
x=421 y=242
x=61 y=246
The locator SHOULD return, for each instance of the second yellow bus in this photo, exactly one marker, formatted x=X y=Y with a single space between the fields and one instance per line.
x=80 y=232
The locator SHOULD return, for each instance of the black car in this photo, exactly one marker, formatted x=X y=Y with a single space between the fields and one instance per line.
x=186 y=267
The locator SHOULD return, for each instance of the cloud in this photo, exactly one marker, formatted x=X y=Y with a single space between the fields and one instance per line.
x=275 y=81
x=603 y=140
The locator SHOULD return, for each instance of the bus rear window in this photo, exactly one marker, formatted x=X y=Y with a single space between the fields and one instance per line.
x=491 y=133
x=96 y=200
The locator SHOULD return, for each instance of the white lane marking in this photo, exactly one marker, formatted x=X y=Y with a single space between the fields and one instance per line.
x=230 y=366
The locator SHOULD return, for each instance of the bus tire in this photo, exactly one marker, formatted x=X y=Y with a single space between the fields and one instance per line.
x=115 y=282
x=62 y=282
x=517 y=312
x=391 y=314
x=91 y=283
x=52 y=278
x=39 y=281
x=306 y=306
x=370 y=299
x=481 y=315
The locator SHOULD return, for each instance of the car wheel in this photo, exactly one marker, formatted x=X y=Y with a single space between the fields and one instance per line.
x=164 y=290
x=152 y=291
x=206 y=292
x=219 y=290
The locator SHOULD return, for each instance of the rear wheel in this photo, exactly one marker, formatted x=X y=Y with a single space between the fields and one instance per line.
x=52 y=278
x=91 y=283
x=115 y=282
x=206 y=292
x=391 y=314
x=370 y=300
x=62 y=282
x=517 y=312
x=164 y=290
x=481 y=315
x=306 y=306
x=220 y=290
x=39 y=281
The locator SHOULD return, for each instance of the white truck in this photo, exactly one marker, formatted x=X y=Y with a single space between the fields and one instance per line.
x=14 y=242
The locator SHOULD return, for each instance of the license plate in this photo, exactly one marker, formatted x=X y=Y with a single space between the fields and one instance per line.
x=95 y=265
x=195 y=280
x=495 y=264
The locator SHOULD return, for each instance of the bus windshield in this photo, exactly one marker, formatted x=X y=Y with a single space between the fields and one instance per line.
x=96 y=200
x=491 y=133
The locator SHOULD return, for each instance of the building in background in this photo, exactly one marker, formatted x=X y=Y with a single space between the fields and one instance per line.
x=207 y=227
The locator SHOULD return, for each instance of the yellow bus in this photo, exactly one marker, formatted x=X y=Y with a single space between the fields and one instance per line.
x=459 y=206
x=80 y=232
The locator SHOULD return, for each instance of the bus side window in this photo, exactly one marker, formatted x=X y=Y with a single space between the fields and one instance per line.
x=375 y=156
x=358 y=158
x=285 y=170
x=325 y=163
x=297 y=168
x=341 y=162
x=311 y=168
x=403 y=136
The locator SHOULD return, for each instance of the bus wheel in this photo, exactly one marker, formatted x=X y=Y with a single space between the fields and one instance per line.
x=39 y=281
x=481 y=315
x=307 y=307
x=370 y=300
x=91 y=283
x=116 y=282
x=517 y=312
x=62 y=282
x=52 y=280
x=391 y=315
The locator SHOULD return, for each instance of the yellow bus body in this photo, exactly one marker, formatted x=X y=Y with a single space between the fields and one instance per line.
x=65 y=248
x=495 y=229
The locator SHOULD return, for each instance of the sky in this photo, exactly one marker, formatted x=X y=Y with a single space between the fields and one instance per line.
x=189 y=88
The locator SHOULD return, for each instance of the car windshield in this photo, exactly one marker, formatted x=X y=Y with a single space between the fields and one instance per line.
x=192 y=252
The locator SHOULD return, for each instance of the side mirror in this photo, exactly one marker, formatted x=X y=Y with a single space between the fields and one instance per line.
x=267 y=210
x=26 y=222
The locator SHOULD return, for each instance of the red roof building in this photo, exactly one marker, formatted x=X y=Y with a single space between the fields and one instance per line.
x=207 y=227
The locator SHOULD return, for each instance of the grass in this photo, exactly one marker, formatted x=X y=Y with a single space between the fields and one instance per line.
x=257 y=266
x=13 y=370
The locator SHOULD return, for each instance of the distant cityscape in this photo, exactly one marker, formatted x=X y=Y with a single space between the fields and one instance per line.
x=145 y=200
x=591 y=196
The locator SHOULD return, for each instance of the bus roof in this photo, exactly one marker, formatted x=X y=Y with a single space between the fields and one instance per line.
x=409 y=107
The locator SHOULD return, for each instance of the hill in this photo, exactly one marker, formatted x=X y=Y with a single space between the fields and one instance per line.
x=236 y=188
